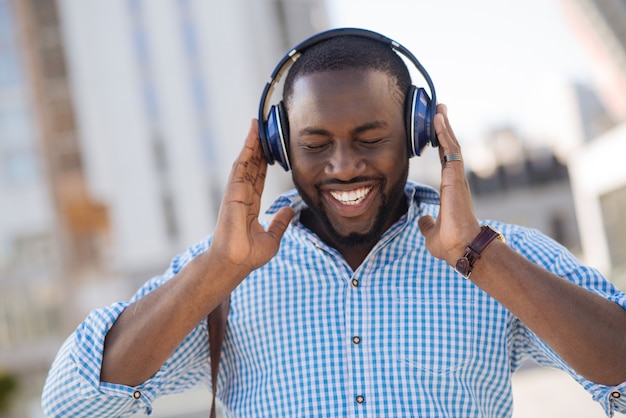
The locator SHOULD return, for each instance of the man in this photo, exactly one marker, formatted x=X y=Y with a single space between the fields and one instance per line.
x=348 y=302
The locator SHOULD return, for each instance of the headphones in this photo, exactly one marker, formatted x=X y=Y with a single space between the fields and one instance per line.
x=419 y=108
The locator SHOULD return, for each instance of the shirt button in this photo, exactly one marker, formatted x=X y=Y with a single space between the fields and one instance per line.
x=616 y=395
x=356 y=339
x=360 y=399
x=355 y=283
x=136 y=394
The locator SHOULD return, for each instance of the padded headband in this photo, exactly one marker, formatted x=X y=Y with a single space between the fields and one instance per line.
x=273 y=123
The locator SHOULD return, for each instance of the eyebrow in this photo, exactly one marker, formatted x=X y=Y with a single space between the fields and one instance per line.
x=377 y=124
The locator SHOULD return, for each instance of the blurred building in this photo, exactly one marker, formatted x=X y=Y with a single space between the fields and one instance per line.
x=570 y=184
x=523 y=178
x=601 y=27
x=597 y=168
x=48 y=221
x=119 y=122
x=599 y=182
x=525 y=185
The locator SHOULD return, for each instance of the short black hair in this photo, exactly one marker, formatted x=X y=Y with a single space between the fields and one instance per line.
x=346 y=52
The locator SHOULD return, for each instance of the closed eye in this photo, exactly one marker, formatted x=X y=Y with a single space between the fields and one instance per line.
x=372 y=142
x=314 y=146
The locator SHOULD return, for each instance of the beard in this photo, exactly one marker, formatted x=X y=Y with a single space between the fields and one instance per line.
x=391 y=202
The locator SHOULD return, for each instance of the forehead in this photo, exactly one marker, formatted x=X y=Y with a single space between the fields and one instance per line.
x=354 y=87
x=355 y=71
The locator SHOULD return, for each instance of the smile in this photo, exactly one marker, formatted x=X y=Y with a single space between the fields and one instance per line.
x=351 y=197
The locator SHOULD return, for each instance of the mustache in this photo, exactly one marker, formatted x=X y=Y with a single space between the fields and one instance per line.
x=359 y=179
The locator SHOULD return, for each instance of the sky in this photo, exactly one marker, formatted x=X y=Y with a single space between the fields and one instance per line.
x=494 y=63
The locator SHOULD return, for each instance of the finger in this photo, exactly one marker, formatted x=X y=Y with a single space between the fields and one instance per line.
x=251 y=144
x=426 y=223
x=259 y=184
x=449 y=148
x=447 y=140
x=259 y=162
x=452 y=135
x=449 y=151
x=250 y=161
x=252 y=169
x=280 y=222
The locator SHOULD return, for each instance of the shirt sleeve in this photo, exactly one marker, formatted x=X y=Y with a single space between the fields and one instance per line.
x=551 y=255
x=73 y=386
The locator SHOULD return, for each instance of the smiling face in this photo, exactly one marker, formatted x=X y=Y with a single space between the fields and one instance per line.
x=348 y=153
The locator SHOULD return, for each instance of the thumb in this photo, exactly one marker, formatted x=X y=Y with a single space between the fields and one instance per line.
x=426 y=224
x=280 y=222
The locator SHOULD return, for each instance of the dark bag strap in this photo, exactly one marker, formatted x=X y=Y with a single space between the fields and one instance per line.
x=216 y=322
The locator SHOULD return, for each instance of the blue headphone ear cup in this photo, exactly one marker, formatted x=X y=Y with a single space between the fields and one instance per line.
x=264 y=129
x=276 y=146
x=418 y=121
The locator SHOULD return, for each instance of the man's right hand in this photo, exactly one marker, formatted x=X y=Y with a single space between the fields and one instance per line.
x=240 y=241
x=147 y=332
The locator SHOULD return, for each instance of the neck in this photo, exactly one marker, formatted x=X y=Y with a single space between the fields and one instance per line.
x=354 y=253
x=355 y=256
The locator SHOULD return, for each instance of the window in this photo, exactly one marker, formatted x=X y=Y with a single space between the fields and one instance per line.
x=9 y=68
x=20 y=167
x=6 y=24
x=15 y=128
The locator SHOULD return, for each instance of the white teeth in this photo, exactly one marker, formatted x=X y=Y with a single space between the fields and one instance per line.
x=351 y=197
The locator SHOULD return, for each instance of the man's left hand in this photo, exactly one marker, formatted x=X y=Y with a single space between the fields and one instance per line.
x=456 y=226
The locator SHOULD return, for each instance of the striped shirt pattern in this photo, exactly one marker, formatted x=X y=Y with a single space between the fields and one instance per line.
x=404 y=335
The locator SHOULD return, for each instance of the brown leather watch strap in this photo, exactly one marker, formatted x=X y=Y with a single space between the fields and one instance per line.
x=465 y=264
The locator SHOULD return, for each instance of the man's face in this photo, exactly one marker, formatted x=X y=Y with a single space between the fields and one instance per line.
x=348 y=153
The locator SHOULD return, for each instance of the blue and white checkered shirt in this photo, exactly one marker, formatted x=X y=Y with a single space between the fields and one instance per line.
x=402 y=336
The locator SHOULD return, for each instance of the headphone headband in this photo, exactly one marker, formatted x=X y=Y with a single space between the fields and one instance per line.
x=272 y=125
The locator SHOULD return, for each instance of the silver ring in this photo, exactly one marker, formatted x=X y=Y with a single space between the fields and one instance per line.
x=455 y=156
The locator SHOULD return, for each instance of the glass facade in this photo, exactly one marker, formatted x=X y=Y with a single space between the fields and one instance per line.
x=19 y=163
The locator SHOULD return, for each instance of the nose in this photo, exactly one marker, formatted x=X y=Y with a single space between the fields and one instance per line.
x=345 y=162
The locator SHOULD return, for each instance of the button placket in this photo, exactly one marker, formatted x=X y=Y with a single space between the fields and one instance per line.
x=356 y=299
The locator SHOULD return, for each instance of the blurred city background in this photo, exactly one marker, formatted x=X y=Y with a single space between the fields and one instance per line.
x=119 y=121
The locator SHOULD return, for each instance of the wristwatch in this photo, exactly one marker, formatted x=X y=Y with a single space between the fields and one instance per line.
x=465 y=264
